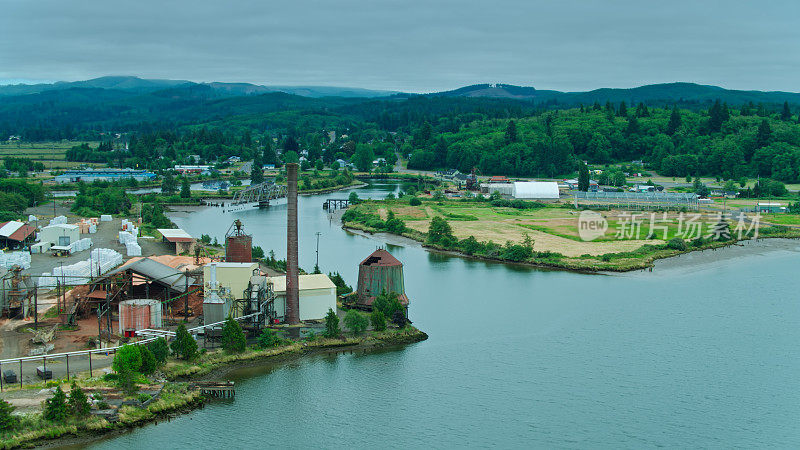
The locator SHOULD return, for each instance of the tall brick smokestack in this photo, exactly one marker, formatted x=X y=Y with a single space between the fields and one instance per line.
x=292 y=278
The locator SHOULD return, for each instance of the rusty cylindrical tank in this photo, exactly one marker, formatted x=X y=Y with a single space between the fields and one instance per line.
x=239 y=248
x=292 y=275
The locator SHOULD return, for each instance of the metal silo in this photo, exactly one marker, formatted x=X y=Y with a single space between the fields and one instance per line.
x=238 y=245
x=378 y=272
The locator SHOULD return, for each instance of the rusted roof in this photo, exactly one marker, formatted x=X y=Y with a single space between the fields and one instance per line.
x=20 y=231
x=381 y=257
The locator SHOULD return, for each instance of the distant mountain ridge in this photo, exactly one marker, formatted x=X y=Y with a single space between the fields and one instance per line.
x=143 y=85
x=658 y=93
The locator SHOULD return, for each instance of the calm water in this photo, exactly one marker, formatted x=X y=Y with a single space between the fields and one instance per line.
x=516 y=358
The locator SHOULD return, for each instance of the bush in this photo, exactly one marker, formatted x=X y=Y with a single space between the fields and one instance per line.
x=184 y=346
x=269 y=338
x=78 y=401
x=127 y=362
x=387 y=303
x=160 y=350
x=356 y=322
x=415 y=201
x=233 y=339
x=378 y=320
x=55 y=408
x=7 y=421
x=332 y=324
x=393 y=224
x=440 y=233
x=149 y=364
x=677 y=243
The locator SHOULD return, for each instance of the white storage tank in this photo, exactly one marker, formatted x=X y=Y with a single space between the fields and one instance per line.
x=138 y=314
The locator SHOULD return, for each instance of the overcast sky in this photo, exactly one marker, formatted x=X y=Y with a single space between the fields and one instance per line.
x=407 y=45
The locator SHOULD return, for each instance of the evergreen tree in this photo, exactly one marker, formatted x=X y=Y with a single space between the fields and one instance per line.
x=623 y=109
x=78 y=401
x=674 y=121
x=149 y=363
x=641 y=110
x=440 y=152
x=233 y=339
x=55 y=408
x=763 y=135
x=378 y=320
x=168 y=184
x=7 y=420
x=184 y=346
x=715 y=117
x=332 y=324
x=597 y=106
x=160 y=350
x=127 y=362
x=633 y=126
x=583 y=178
x=511 y=132
x=786 y=114
x=257 y=171
x=186 y=191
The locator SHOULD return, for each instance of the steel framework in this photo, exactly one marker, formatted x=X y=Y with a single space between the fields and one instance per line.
x=644 y=200
x=260 y=193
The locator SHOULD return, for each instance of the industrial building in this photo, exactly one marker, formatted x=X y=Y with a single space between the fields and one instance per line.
x=232 y=278
x=380 y=272
x=15 y=234
x=62 y=234
x=91 y=175
x=317 y=295
x=769 y=208
x=183 y=241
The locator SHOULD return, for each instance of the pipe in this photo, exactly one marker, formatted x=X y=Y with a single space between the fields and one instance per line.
x=292 y=276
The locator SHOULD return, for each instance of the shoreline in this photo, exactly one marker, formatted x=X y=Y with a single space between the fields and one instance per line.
x=648 y=262
x=78 y=436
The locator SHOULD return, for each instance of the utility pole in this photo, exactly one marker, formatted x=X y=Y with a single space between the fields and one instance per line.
x=316 y=266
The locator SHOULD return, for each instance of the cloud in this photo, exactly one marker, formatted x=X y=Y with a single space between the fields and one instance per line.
x=407 y=45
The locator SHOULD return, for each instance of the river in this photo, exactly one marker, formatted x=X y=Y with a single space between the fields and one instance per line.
x=699 y=356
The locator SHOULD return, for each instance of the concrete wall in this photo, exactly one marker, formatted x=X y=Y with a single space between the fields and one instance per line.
x=314 y=303
x=52 y=233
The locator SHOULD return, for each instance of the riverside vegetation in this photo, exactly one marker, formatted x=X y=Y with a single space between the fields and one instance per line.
x=138 y=367
x=533 y=233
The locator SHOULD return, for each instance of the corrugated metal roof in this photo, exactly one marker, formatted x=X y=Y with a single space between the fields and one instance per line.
x=311 y=281
x=381 y=257
x=16 y=231
x=158 y=273
x=175 y=235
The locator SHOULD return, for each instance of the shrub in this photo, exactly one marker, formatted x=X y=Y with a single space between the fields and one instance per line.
x=127 y=361
x=233 y=339
x=677 y=243
x=55 y=408
x=393 y=224
x=7 y=421
x=387 y=303
x=149 y=364
x=440 y=233
x=415 y=201
x=184 y=346
x=160 y=350
x=269 y=338
x=332 y=324
x=78 y=401
x=356 y=322
x=378 y=320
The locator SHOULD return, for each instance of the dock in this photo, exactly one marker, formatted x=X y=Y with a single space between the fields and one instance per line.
x=216 y=389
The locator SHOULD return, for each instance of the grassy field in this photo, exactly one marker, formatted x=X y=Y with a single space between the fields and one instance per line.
x=552 y=228
x=51 y=154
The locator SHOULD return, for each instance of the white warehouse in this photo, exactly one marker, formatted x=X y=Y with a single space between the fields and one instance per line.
x=317 y=296
x=535 y=190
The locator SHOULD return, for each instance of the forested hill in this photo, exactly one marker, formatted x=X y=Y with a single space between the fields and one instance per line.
x=729 y=143
x=654 y=94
